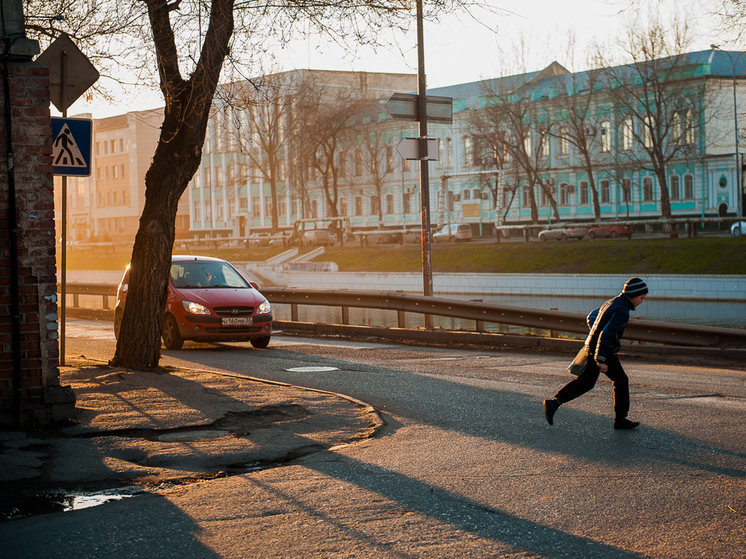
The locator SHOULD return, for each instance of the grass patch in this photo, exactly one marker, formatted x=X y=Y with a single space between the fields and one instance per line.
x=702 y=256
x=654 y=256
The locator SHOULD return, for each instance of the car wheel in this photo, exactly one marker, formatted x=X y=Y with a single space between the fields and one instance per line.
x=542 y=237
x=591 y=235
x=170 y=333
x=118 y=314
x=736 y=232
x=614 y=235
x=261 y=343
x=563 y=237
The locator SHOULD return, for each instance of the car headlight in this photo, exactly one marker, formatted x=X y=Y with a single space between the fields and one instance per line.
x=195 y=308
x=264 y=308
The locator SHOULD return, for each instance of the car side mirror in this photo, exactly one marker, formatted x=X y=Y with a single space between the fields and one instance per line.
x=254 y=285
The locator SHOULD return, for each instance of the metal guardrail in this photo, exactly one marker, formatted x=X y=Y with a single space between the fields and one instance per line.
x=553 y=321
x=639 y=330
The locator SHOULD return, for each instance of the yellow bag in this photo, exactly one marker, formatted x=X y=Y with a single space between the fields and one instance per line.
x=578 y=364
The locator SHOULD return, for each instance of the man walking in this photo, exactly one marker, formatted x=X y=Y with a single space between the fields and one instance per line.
x=606 y=325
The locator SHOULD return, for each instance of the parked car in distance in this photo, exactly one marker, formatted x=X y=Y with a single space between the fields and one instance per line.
x=319 y=237
x=562 y=232
x=610 y=229
x=453 y=232
x=738 y=229
x=208 y=301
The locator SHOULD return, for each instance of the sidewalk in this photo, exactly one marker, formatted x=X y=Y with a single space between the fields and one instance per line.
x=136 y=430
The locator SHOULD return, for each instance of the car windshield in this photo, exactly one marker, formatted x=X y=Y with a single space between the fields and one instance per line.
x=196 y=274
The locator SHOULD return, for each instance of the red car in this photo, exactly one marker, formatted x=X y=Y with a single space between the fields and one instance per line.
x=208 y=301
x=610 y=229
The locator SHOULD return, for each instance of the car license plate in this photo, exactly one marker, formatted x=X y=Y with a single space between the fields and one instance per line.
x=237 y=321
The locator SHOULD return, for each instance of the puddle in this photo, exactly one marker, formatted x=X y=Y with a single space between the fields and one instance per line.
x=312 y=369
x=66 y=502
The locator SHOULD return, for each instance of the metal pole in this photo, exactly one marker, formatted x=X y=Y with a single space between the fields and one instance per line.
x=427 y=261
x=63 y=211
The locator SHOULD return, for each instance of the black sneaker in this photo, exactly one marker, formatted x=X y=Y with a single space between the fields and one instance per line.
x=550 y=406
x=625 y=424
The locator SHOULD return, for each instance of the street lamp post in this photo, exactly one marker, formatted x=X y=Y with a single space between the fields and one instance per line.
x=739 y=193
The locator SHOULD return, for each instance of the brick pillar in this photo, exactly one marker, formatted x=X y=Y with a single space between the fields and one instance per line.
x=29 y=393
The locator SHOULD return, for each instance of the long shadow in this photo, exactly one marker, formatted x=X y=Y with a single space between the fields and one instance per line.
x=508 y=531
x=144 y=526
x=504 y=416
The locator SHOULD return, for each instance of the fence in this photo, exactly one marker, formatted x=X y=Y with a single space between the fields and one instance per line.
x=552 y=322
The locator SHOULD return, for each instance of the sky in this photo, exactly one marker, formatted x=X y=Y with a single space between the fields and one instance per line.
x=462 y=49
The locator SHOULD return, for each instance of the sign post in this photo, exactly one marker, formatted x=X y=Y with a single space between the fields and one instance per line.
x=70 y=75
x=420 y=108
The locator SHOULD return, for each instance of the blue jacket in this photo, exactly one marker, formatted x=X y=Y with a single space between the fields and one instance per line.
x=607 y=324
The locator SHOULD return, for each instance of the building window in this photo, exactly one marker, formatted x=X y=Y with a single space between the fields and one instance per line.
x=647 y=189
x=583 y=192
x=389 y=204
x=564 y=194
x=315 y=208
x=343 y=164
x=527 y=144
x=564 y=142
x=389 y=159
x=466 y=195
x=647 y=136
x=626 y=190
x=674 y=187
x=605 y=191
x=257 y=205
x=544 y=146
x=358 y=164
x=682 y=127
x=343 y=207
x=358 y=205
x=219 y=211
x=628 y=136
x=545 y=196
x=468 y=151
x=451 y=200
x=448 y=159
x=375 y=204
x=525 y=197
x=605 y=136
x=688 y=187
x=407 y=203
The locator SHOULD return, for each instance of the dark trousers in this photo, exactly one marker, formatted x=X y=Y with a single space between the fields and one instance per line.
x=583 y=383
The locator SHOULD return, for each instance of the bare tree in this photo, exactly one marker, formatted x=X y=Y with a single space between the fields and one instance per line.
x=260 y=110
x=195 y=37
x=520 y=129
x=657 y=102
x=326 y=129
x=575 y=125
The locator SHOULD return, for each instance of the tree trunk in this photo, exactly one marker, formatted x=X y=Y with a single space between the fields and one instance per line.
x=174 y=164
x=175 y=161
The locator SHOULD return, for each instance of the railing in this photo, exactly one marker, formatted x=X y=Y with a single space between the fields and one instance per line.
x=552 y=321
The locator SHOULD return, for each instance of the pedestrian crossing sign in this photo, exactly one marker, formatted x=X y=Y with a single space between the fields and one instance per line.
x=71 y=146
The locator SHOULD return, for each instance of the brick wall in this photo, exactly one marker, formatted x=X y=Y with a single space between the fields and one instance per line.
x=30 y=393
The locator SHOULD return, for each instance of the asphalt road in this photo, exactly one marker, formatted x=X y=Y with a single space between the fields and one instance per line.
x=467 y=466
